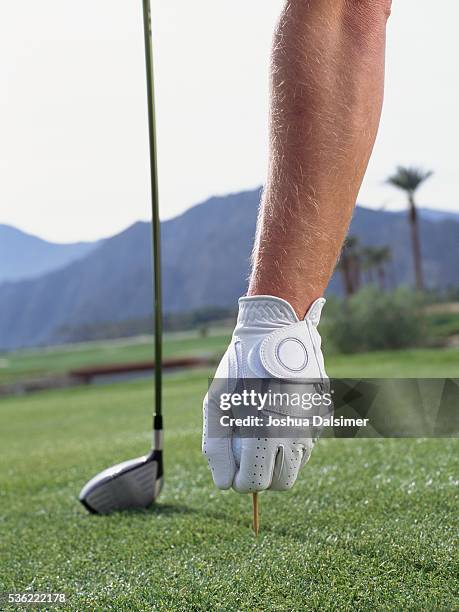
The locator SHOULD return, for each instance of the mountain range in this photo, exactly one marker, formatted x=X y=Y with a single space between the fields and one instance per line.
x=206 y=254
x=25 y=256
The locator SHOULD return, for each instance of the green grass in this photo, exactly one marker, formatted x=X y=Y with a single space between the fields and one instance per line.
x=408 y=363
x=39 y=362
x=371 y=524
x=414 y=363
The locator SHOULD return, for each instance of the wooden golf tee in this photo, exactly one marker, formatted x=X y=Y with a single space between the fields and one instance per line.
x=256 y=515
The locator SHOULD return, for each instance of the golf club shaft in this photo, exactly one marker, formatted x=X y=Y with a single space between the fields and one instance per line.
x=155 y=215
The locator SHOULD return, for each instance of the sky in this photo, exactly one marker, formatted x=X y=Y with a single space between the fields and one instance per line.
x=73 y=122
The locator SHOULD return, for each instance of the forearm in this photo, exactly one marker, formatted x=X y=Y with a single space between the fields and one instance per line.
x=327 y=89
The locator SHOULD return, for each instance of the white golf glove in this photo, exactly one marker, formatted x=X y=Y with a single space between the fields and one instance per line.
x=269 y=342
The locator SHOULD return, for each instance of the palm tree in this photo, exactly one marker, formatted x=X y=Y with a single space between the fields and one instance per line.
x=409 y=180
x=354 y=253
x=369 y=263
x=382 y=256
x=374 y=260
x=349 y=265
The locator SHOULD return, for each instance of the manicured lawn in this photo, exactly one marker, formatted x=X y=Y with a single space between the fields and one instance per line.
x=371 y=524
x=415 y=363
x=408 y=363
x=39 y=362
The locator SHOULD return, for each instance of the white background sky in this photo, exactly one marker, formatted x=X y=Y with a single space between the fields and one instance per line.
x=73 y=123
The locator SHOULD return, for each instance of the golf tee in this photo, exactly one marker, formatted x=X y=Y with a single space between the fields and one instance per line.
x=256 y=516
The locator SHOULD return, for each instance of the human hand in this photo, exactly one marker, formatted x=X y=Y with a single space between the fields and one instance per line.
x=269 y=342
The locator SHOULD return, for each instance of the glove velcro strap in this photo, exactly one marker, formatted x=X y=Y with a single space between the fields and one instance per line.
x=289 y=353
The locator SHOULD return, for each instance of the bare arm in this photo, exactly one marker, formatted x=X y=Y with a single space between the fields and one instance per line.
x=327 y=89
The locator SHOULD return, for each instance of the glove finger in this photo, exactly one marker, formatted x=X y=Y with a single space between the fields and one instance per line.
x=221 y=462
x=256 y=466
x=308 y=445
x=287 y=467
x=217 y=451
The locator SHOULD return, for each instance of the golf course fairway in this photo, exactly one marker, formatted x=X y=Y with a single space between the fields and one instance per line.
x=371 y=524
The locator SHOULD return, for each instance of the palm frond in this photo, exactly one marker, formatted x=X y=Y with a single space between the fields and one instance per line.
x=409 y=179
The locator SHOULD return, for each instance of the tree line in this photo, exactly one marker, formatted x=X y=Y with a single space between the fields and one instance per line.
x=359 y=264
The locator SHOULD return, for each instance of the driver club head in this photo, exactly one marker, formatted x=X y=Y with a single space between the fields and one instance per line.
x=130 y=485
x=136 y=484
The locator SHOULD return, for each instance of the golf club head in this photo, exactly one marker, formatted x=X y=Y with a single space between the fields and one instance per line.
x=130 y=485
